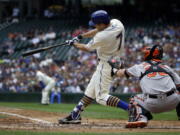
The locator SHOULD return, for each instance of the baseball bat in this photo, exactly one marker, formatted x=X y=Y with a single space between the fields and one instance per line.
x=27 y=53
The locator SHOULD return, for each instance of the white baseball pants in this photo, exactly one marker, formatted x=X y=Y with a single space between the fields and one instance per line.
x=46 y=91
x=99 y=85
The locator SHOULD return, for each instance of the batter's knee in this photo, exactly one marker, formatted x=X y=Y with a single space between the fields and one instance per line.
x=102 y=99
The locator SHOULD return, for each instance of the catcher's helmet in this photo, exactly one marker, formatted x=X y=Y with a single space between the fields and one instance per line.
x=98 y=17
x=154 y=52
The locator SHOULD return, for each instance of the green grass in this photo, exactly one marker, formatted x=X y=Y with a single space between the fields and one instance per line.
x=59 y=133
x=2 y=116
x=93 y=111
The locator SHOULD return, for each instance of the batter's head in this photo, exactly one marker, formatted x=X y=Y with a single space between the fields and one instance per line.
x=99 y=17
x=154 y=52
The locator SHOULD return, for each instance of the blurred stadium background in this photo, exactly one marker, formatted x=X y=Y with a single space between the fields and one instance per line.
x=29 y=24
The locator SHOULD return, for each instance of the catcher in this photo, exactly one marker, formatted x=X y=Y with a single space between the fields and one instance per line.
x=160 y=87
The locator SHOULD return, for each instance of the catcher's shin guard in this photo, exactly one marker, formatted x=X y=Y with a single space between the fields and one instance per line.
x=132 y=114
x=139 y=109
x=138 y=116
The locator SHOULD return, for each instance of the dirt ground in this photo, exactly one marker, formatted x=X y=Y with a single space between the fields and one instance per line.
x=20 y=119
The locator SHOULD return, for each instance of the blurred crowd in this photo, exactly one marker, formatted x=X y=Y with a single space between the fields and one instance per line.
x=34 y=38
x=73 y=75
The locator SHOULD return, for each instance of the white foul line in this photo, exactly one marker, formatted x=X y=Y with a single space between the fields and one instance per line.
x=25 y=117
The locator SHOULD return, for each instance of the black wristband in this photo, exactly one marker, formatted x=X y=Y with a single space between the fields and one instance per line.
x=80 y=36
x=126 y=74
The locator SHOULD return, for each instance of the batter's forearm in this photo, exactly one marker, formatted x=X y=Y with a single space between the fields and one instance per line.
x=90 y=33
x=81 y=47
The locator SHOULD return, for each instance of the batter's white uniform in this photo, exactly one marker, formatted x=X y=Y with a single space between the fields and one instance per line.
x=157 y=84
x=50 y=84
x=107 y=43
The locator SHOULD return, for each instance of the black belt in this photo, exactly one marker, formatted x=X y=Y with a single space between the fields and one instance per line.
x=167 y=94
x=101 y=60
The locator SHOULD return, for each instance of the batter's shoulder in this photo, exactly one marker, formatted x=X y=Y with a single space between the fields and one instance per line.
x=117 y=23
x=102 y=35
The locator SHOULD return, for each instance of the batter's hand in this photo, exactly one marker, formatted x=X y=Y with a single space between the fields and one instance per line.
x=69 y=42
x=77 y=39
x=74 y=40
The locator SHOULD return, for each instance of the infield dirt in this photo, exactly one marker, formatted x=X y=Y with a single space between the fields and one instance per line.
x=10 y=119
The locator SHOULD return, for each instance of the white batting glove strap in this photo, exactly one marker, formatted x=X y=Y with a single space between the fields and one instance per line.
x=69 y=42
x=75 y=39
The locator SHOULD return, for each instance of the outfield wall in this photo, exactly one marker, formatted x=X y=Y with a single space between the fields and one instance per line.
x=36 y=97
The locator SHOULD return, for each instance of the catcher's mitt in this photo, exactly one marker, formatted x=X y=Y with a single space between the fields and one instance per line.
x=115 y=63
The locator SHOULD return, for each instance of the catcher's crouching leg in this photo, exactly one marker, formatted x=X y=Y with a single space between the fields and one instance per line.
x=138 y=116
x=178 y=111
x=178 y=106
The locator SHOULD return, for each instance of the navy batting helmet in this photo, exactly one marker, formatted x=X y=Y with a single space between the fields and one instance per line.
x=98 y=17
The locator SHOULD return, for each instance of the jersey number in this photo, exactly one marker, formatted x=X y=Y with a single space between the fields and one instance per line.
x=155 y=73
x=119 y=36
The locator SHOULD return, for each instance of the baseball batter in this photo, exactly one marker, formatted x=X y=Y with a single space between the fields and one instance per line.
x=159 y=84
x=49 y=85
x=108 y=41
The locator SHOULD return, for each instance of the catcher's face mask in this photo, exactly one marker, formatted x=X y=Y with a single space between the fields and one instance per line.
x=155 y=52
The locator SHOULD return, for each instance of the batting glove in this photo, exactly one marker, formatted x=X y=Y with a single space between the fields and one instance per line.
x=74 y=40
x=78 y=38
x=69 y=42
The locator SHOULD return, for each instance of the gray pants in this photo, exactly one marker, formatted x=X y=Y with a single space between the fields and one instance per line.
x=157 y=105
